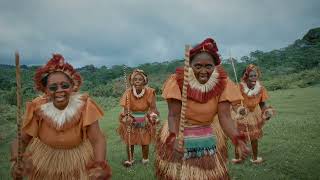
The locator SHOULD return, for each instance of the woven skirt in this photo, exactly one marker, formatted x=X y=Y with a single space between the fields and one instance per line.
x=141 y=133
x=251 y=124
x=63 y=164
x=205 y=154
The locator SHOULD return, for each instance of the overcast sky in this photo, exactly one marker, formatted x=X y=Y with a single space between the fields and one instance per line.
x=102 y=32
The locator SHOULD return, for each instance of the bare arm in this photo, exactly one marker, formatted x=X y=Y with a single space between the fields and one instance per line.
x=174 y=107
x=97 y=141
x=266 y=114
x=229 y=128
x=225 y=120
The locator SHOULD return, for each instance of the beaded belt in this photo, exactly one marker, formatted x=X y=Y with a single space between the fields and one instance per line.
x=199 y=141
x=139 y=119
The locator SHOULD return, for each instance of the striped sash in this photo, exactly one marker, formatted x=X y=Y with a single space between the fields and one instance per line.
x=199 y=141
x=139 y=119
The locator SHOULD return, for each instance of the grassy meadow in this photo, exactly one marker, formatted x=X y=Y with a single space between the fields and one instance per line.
x=290 y=145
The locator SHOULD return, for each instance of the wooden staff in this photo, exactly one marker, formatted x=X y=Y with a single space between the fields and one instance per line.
x=238 y=85
x=183 y=106
x=128 y=112
x=19 y=106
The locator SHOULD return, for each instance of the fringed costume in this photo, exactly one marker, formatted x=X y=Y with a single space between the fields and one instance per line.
x=60 y=151
x=205 y=152
x=142 y=131
x=60 y=148
x=141 y=108
x=253 y=120
x=250 y=124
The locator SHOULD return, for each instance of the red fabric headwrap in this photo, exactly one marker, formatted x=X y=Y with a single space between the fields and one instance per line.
x=250 y=68
x=57 y=64
x=209 y=46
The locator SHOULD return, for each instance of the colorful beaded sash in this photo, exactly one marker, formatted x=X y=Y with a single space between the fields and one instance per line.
x=139 y=119
x=199 y=141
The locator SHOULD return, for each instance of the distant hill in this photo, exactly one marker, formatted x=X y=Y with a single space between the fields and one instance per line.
x=295 y=65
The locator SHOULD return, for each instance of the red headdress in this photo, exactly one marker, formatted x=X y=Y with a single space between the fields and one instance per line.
x=57 y=64
x=250 y=68
x=138 y=71
x=209 y=46
x=219 y=75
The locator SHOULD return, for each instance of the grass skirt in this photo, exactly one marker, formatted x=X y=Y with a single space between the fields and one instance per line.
x=205 y=167
x=254 y=123
x=138 y=135
x=63 y=164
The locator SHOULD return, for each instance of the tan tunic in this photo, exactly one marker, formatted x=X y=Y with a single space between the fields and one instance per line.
x=252 y=123
x=201 y=113
x=197 y=114
x=60 y=152
x=138 y=104
x=252 y=101
x=71 y=134
x=138 y=136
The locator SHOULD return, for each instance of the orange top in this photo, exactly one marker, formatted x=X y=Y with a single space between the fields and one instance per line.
x=138 y=104
x=36 y=124
x=201 y=113
x=252 y=101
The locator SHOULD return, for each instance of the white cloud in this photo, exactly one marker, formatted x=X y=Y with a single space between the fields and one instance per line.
x=133 y=32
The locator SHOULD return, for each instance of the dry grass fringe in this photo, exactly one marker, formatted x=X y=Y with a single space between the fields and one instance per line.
x=206 y=167
x=63 y=164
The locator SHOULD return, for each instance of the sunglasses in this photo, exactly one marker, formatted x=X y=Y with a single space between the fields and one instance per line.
x=54 y=87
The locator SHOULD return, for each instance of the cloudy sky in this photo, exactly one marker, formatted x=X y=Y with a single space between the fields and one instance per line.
x=109 y=32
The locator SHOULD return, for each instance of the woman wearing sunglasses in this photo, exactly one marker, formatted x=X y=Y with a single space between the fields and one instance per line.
x=60 y=133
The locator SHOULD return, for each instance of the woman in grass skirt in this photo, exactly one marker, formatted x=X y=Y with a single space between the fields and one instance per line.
x=255 y=96
x=140 y=115
x=61 y=130
x=209 y=95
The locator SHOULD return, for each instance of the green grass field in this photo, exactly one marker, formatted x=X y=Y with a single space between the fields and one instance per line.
x=290 y=145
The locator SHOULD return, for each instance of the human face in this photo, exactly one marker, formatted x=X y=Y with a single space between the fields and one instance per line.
x=252 y=78
x=202 y=66
x=59 y=89
x=138 y=82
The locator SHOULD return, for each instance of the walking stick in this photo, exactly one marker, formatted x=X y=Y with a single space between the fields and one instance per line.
x=19 y=106
x=183 y=106
x=128 y=111
x=236 y=78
